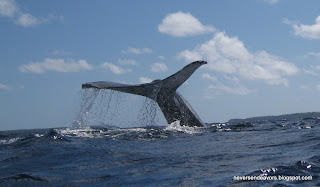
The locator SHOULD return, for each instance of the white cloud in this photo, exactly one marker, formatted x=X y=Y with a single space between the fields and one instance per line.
x=136 y=51
x=232 y=90
x=59 y=65
x=229 y=56
x=146 y=50
x=5 y=87
x=232 y=78
x=115 y=69
x=127 y=62
x=159 y=67
x=306 y=31
x=27 y=20
x=209 y=77
x=190 y=56
x=10 y=9
x=304 y=87
x=9 y=88
x=271 y=1
x=161 y=57
x=182 y=24
x=216 y=87
x=312 y=54
x=310 y=72
x=143 y=80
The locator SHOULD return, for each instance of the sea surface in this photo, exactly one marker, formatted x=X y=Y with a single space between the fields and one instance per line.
x=119 y=139
x=170 y=155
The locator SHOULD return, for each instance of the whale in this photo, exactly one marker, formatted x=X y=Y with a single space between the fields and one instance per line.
x=164 y=92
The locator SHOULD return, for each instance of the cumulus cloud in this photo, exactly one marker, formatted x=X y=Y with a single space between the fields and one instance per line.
x=209 y=77
x=216 y=87
x=232 y=90
x=312 y=70
x=5 y=87
x=59 y=65
x=10 y=9
x=182 y=24
x=27 y=20
x=228 y=55
x=10 y=88
x=127 y=62
x=306 y=31
x=313 y=54
x=137 y=51
x=271 y=1
x=159 y=67
x=115 y=69
x=143 y=80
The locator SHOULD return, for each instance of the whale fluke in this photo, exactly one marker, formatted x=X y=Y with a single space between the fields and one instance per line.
x=173 y=106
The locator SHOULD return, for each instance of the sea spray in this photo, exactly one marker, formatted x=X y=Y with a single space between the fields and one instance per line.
x=113 y=108
x=148 y=113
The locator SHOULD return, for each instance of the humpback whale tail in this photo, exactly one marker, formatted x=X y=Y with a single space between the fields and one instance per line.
x=164 y=92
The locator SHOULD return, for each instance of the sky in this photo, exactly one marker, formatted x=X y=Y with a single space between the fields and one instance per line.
x=263 y=55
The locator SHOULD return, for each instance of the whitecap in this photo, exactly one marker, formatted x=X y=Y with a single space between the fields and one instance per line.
x=86 y=132
x=176 y=127
x=10 y=141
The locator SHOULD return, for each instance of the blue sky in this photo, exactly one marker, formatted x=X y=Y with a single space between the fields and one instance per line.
x=263 y=55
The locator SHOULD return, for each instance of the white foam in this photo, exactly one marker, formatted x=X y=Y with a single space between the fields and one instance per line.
x=10 y=141
x=176 y=127
x=86 y=132
x=221 y=127
x=38 y=135
x=133 y=130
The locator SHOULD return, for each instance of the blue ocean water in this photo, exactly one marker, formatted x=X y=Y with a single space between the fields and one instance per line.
x=121 y=140
x=171 y=155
